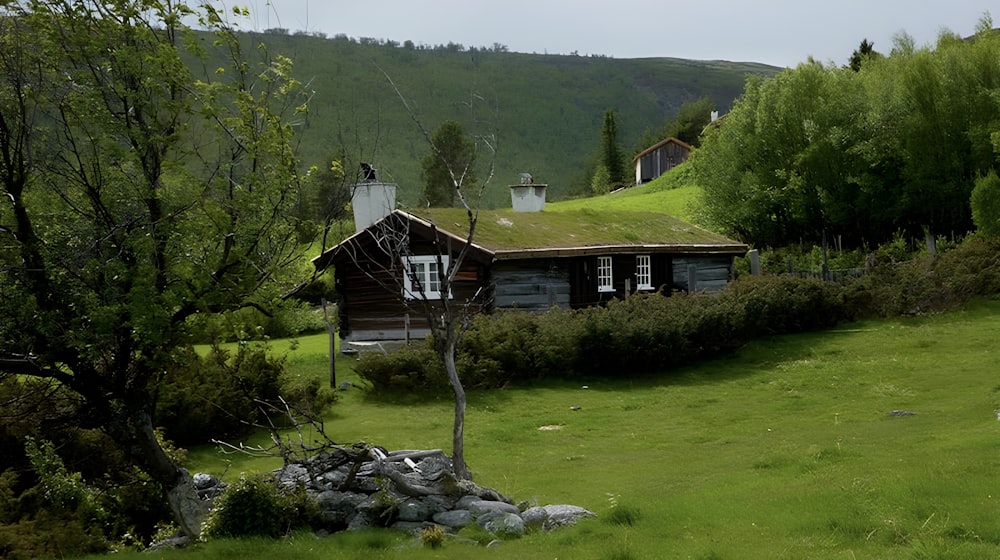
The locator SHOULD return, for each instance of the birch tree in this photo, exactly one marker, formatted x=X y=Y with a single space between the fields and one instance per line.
x=394 y=265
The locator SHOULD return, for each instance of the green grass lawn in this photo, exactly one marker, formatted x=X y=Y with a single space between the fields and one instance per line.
x=786 y=449
x=672 y=193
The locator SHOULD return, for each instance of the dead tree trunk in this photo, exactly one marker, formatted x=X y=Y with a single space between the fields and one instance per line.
x=458 y=432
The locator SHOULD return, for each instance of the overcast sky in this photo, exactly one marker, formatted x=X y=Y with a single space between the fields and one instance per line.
x=777 y=32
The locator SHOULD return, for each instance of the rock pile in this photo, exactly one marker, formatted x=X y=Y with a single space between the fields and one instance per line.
x=411 y=490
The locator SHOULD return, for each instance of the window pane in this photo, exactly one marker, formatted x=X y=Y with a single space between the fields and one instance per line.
x=419 y=276
x=433 y=279
x=605 y=282
x=642 y=271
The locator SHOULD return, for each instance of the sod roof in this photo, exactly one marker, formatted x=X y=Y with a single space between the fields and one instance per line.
x=510 y=234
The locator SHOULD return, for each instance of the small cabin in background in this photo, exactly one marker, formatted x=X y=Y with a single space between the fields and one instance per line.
x=521 y=258
x=660 y=158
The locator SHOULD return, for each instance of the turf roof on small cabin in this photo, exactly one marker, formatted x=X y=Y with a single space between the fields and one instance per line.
x=508 y=234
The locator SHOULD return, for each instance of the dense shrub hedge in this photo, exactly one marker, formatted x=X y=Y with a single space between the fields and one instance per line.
x=221 y=395
x=640 y=334
x=653 y=333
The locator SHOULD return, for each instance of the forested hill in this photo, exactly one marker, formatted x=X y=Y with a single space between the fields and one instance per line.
x=548 y=109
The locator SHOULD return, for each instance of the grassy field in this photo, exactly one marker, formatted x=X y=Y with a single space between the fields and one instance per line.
x=671 y=194
x=786 y=449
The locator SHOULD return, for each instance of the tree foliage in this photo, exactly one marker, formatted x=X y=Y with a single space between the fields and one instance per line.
x=133 y=195
x=824 y=150
x=986 y=205
x=612 y=158
x=866 y=50
x=449 y=166
x=691 y=120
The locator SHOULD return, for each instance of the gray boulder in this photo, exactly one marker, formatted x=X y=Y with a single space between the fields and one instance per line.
x=456 y=518
x=339 y=507
x=505 y=525
x=534 y=517
x=487 y=507
x=563 y=516
x=419 y=509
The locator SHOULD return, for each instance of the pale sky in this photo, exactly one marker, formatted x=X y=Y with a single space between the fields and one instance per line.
x=777 y=32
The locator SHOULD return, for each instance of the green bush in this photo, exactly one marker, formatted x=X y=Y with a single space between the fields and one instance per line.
x=413 y=367
x=255 y=507
x=217 y=396
x=249 y=324
x=250 y=507
x=50 y=535
x=985 y=202
x=929 y=284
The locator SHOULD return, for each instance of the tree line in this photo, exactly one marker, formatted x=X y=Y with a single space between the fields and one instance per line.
x=888 y=144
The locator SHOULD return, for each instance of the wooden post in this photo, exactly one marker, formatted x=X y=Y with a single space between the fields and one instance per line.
x=931 y=242
x=754 y=255
x=692 y=278
x=331 y=329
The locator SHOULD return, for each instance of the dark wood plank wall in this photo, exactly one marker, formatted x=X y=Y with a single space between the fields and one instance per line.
x=371 y=299
x=531 y=284
x=584 y=278
x=712 y=272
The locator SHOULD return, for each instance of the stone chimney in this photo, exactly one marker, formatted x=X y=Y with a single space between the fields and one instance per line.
x=527 y=196
x=372 y=199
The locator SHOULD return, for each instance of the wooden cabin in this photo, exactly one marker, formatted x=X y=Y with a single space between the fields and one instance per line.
x=528 y=260
x=660 y=158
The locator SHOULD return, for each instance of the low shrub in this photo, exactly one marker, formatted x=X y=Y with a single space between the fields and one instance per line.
x=217 y=396
x=413 y=367
x=250 y=507
x=433 y=537
x=249 y=324
x=930 y=283
x=254 y=506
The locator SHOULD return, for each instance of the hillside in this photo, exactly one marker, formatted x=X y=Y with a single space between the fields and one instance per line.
x=672 y=193
x=546 y=108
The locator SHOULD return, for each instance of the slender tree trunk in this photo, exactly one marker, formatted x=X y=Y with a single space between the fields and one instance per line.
x=458 y=434
x=188 y=509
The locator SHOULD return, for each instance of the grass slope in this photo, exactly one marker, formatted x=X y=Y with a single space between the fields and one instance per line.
x=673 y=193
x=786 y=449
x=548 y=109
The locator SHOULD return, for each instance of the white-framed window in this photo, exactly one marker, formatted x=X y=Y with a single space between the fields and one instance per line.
x=422 y=275
x=605 y=282
x=643 y=273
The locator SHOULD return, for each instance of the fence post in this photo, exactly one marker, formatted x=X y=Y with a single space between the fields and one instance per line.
x=754 y=255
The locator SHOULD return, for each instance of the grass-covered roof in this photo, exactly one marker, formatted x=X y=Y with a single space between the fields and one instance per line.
x=507 y=233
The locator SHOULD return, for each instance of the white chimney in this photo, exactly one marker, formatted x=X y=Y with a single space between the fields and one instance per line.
x=371 y=202
x=527 y=196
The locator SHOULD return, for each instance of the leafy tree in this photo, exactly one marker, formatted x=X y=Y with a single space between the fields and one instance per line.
x=601 y=182
x=865 y=51
x=986 y=204
x=449 y=166
x=611 y=153
x=691 y=120
x=896 y=146
x=134 y=195
x=780 y=168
